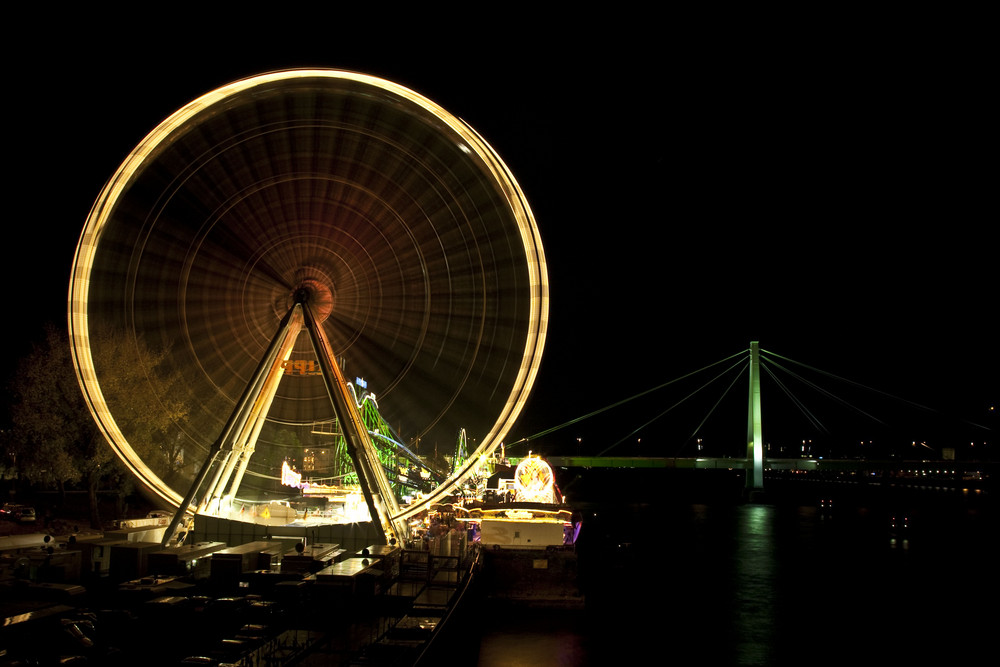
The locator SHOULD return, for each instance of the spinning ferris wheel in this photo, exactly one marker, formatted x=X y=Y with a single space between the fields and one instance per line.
x=304 y=219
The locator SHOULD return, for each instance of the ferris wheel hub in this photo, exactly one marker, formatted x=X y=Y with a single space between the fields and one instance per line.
x=317 y=294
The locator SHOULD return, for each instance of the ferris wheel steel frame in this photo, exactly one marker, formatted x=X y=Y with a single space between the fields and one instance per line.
x=233 y=449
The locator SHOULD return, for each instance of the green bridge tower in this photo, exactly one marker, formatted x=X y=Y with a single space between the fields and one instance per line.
x=755 y=440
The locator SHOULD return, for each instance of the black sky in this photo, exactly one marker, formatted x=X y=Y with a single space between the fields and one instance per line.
x=830 y=196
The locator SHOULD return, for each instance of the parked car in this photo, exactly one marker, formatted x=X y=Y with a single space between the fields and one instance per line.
x=20 y=513
x=27 y=514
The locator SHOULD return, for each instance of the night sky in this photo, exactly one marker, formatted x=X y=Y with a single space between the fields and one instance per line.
x=831 y=198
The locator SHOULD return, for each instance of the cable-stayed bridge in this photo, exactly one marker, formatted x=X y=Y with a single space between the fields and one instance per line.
x=917 y=460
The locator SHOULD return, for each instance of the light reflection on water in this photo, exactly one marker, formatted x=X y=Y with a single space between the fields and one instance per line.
x=810 y=583
x=551 y=639
x=754 y=579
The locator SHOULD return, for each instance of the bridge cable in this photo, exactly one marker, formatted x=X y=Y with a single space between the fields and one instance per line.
x=856 y=384
x=812 y=419
x=622 y=402
x=709 y=414
x=827 y=393
x=862 y=386
x=703 y=386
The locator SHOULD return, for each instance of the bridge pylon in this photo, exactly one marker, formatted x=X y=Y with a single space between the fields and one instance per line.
x=755 y=439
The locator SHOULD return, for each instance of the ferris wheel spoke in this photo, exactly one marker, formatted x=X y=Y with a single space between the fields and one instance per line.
x=420 y=257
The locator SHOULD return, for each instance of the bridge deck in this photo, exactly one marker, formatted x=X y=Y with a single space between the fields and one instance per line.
x=710 y=463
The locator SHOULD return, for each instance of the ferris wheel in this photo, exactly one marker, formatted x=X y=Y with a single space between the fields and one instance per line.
x=335 y=205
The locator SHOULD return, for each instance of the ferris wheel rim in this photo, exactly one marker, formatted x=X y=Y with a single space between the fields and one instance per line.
x=99 y=216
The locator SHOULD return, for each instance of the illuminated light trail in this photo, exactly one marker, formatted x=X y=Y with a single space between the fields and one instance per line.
x=420 y=252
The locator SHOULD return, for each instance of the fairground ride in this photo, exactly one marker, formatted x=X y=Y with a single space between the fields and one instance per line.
x=304 y=220
x=329 y=468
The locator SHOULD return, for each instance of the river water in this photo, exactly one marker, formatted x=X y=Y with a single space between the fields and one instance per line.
x=816 y=574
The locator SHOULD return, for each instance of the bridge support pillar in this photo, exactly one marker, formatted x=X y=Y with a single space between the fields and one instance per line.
x=755 y=440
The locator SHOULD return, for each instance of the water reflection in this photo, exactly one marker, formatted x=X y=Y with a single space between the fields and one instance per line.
x=874 y=578
x=754 y=584
x=534 y=638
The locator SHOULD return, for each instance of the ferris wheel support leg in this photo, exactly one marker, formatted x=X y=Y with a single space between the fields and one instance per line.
x=244 y=412
x=224 y=459
x=245 y=443
x=227 y=497
x=212 y=492
x=262 y=406
x=374 y=484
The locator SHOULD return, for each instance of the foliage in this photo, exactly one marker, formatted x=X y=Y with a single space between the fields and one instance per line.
x=138 y=391
x=54 y=440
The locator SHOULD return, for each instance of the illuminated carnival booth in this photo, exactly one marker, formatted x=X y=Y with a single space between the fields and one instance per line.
x=535 y=517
